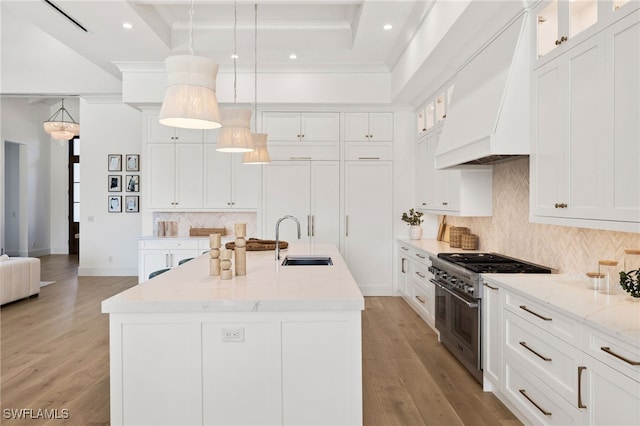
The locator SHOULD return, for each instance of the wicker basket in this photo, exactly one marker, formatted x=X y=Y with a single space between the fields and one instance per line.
x=469 y=241
x=455 y=236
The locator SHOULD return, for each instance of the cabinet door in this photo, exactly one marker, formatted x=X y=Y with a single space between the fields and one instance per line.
x=159 y=133
x=152 y=260
x=217 y=178
x=423 y=174
x=281 y=126
x=320 y=126
x=623 y=76
x=189 y=175
x=403 y=272
x=161 y=182
x=356 y=127
x=611 y=398
x=325 y=202
x=381 y=127
x=246 y=183
x=548 y=153
x=175 y=256
x=492 y=346
x=368 y=224
x=286 y=192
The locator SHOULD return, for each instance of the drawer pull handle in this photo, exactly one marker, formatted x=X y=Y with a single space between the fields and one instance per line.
x=612 y=353
x=580 y=370
x=491 y=287
x=404 y=248
x=523 y=307
x=524 y=393
x=420 y=274
x=421 y=299
x=368 y=158
x=544 y=358
x=404 y=271
x=421 y=256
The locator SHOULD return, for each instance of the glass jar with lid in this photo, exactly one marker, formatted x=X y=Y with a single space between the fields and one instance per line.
x=610 y=271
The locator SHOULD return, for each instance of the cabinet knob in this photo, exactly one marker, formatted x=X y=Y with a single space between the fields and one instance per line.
x=563 y=39
x=557 y=42
x=444 y=203
x=560 y=205
x=298 y=136
x=424 y=204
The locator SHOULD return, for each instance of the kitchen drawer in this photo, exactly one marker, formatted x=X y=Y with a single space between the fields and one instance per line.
x=368 y=151
x=549 y=320
x=415 y=253
x=170 y=244
x=547 y=357
x=421 y=274
x=537 y=401
x=304 y=151
x=611 y=351
x=423 y=299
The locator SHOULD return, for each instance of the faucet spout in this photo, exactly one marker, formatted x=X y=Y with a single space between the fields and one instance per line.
x=278 y=232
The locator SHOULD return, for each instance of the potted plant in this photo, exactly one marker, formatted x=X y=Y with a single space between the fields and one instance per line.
x=414 y=220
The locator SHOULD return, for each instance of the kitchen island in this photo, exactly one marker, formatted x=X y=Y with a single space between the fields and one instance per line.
x=281 y=345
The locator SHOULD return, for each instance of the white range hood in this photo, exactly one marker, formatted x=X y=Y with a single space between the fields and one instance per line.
x=488 y=119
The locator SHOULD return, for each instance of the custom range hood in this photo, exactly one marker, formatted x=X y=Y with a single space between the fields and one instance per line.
x=488 y=118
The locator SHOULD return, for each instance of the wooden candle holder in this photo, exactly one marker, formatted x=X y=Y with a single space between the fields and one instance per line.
x=241 y=249
x=225 y=264
x=214 y=254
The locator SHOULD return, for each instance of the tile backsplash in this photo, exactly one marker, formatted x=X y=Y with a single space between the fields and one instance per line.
x=569 y=250
x=227 y=220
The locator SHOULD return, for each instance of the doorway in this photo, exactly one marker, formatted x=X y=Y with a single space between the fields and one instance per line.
x=74 y=195
x=15 y=203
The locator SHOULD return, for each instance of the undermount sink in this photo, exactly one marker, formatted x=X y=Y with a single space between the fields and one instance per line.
x=308 y=260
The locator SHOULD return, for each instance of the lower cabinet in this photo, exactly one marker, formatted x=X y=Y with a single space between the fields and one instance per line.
x=413 y=282
x=157 y=254
x=554 y=369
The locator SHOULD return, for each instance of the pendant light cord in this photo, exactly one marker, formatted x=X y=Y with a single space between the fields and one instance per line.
x=255 y=69
x=235 y=52
x=191 y=29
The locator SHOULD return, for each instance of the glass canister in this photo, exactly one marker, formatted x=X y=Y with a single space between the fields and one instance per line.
x=595 y=280
x=630 y=279
x=610 y=270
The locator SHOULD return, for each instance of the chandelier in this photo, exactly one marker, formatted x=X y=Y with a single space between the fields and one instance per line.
x=58 y=128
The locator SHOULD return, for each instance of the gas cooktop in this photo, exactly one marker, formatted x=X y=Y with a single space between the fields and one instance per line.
x=493 y=263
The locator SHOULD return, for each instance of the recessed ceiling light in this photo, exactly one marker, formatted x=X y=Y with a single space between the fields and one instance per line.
x=127 y=25
x=234 y=56
x=387 y=27
x=293 y=56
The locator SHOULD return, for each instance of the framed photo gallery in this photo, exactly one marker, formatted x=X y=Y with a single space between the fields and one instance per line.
x=129 y=183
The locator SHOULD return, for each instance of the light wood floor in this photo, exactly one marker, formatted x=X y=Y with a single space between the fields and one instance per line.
x=54 y=355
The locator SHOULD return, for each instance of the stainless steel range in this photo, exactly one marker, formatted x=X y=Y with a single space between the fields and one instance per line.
x=459 y=295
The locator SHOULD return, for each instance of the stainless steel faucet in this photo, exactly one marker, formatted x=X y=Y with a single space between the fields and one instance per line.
x=278 y=232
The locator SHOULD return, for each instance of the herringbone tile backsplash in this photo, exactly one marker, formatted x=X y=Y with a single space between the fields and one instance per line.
x=570 y=250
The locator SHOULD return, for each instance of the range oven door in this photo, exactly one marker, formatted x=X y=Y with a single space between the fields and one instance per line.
x=458 y=321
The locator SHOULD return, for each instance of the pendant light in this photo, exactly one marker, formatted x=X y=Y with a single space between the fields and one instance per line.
x=235 y=135
x=260 y=155
x=190 y=99
x=58 y=128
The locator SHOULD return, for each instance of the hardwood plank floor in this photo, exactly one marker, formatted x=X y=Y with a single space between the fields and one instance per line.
x=55 y=356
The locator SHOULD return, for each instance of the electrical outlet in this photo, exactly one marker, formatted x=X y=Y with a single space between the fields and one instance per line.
x=233 y=334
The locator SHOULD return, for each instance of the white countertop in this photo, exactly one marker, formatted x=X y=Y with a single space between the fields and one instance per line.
x=433 y=246
x=267 y=287
x=615 y=314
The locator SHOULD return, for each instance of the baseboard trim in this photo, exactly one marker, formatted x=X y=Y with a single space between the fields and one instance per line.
x=89 y=271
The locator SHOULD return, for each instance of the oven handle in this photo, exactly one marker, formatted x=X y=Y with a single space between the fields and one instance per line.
x=469 y=304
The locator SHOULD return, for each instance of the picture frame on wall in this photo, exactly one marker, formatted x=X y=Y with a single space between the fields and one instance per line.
x=131 y=203
x=115 y=203
x=114 y=183
x=132 y=183
x=132 y=162
x=114 y=162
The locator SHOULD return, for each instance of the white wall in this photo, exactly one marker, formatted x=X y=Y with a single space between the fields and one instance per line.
x=22 y=123
x=12 y=198
x=108 y=241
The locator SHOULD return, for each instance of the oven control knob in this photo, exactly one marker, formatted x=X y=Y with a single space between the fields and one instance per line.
x=470 y=290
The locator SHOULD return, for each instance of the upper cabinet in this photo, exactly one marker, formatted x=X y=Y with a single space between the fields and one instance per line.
x=368 y=127
x=434 y=112
x=561 y=24
x=585 y=153
x=302 y=135
x=159 y=133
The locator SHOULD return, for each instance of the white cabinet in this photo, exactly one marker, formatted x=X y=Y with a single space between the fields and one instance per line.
x=492 y=346
x=434 y=112
x=458 y=192
x=368 y=200
x=404 y=271
x=414 y=282
x=175 y=175
x=302 y=135
x=368 y=127
x=229 y=184
x=585 y=133
x=556 y=369
x=159 y=133
x=307 y=190
x=162 y=253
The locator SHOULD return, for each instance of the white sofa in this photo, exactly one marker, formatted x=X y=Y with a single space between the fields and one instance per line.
x=19 y=278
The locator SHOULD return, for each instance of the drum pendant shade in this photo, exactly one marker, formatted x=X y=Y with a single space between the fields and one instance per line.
x=190 y=99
